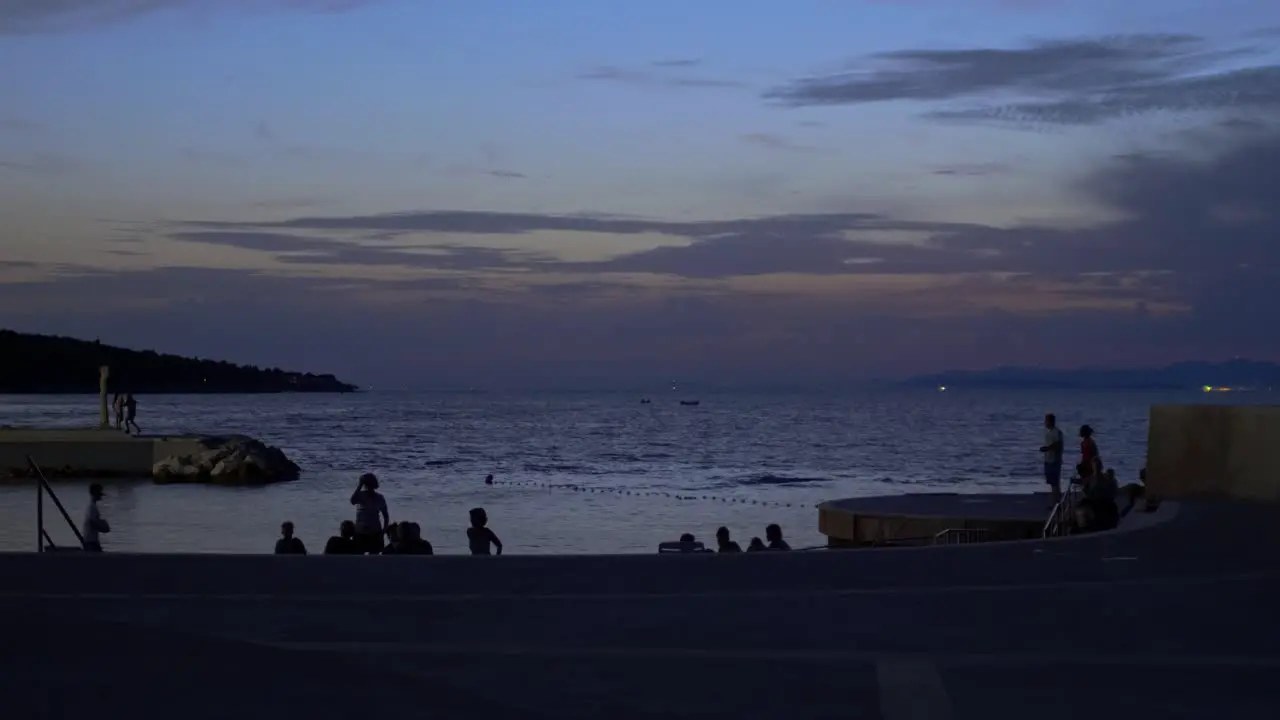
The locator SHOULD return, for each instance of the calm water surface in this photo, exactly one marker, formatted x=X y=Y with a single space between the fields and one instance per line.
x=648 y=472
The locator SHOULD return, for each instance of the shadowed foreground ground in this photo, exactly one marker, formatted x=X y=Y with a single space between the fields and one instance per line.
x=1173 y=621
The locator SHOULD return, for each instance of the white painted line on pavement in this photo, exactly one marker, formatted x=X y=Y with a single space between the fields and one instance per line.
x=912 y=660
x=911 y=689
x=437 y=596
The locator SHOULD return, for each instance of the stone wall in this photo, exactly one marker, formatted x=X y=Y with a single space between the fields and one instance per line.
x=1214 y=451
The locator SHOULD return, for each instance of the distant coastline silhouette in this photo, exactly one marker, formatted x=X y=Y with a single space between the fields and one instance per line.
x=49 y=364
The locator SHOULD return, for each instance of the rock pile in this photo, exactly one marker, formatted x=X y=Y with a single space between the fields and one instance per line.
x=232 y=460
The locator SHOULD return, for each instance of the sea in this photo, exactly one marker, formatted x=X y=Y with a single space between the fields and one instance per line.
x=580 y=473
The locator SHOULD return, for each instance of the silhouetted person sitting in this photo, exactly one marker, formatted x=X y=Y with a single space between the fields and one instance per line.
x=479 y=537
x=756 y=545
x=1134 y=491
x=393 y=539
x=344 y=543
x=686 y=544
x=773 y=534
x=408 y=541
x=288 y=544
x=411 y=542
x=1097 y=509
x=724 y=544
x=372 y=518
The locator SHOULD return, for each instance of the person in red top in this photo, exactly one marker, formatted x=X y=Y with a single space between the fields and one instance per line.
x=1090 y=461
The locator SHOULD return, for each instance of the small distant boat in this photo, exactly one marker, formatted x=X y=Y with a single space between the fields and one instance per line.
x=645 y=401
x=690 y=402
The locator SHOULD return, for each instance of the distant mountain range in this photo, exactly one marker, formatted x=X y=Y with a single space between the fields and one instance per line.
x=1231 y=375
x=48 y=364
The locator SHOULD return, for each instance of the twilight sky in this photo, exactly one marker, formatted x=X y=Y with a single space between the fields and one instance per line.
x=578 y=192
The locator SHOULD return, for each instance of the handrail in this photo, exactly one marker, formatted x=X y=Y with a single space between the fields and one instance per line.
x=1063 y=513
x=960 y=536
x=42 y=487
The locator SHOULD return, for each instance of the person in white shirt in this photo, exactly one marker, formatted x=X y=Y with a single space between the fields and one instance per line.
x=372 y=518
x=94 y=525
x=1052 y=450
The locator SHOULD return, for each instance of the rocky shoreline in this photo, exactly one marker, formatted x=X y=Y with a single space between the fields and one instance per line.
x=228 y=460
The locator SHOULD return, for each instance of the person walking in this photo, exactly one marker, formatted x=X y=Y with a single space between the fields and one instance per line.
x=131 y=414
x=94 y=525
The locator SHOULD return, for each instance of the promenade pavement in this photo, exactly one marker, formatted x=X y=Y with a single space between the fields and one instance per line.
x=1175 y=620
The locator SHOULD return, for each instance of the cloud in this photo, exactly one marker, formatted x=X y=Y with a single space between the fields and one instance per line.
x=44 y=163
x=677 y=63
x=490 y=172
x=1065 y=82
x=16 y=125
x=773 y=141
x=1189 y=269
x=311 y=250
x=1193 y=226
x=293 y=203
x=662 y=73
x=1252 y=89
x=971 y=169
x=24 y=17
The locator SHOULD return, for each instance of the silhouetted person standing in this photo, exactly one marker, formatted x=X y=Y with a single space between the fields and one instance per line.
x=131 y=414
x=344 y=543
x=117 y=406
x=372 y=518
x=94 y=524
x=1090 y=460
x=289 y=544
x=479 y=537
x=1052 y=450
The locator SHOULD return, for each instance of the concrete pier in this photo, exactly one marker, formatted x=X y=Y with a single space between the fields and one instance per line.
x=1175 y=620
x=90 y=452
x=918 y=518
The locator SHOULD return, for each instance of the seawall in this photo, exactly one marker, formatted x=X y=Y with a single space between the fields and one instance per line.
x=92 y=452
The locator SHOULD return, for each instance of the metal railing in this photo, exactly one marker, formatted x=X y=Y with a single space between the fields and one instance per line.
x=1062 y=517
x=43 y=541
x=961 y=536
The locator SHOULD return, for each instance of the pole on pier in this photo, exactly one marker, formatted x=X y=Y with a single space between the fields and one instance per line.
x=104 y=419
x=39 y=515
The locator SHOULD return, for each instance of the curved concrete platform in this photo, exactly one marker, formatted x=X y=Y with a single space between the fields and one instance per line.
x=916 y=519
x=1173 y=620
x=88 y=452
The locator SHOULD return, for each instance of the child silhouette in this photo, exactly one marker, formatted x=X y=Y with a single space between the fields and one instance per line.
x=479 y=536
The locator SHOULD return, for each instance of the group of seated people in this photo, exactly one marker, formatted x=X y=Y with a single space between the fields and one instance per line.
x=403 y=538
x=725 y=544
x=1098 y=507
